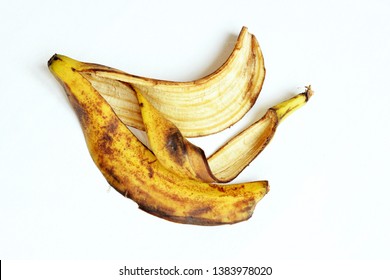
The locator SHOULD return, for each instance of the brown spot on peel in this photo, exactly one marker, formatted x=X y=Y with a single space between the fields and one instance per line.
x=151 y=172
x=175 y=146
x=200 y=211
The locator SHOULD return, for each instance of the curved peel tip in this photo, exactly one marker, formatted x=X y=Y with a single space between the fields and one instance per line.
x=52 y=59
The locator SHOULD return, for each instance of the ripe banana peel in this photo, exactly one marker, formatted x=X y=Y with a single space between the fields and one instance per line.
x=201 y=107
x=174 y=180
x=134 y=171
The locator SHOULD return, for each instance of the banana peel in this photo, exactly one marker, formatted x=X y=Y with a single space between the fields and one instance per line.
x=174 y=180
x=198 y=108
x=134 y=171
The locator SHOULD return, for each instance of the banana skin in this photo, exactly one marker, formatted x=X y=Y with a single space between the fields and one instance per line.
x=134 y=171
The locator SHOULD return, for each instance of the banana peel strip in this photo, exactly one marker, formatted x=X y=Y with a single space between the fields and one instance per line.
x=179 y=155
x=198 y=108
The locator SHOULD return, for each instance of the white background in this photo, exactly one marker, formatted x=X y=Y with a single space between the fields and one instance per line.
x=327 y=164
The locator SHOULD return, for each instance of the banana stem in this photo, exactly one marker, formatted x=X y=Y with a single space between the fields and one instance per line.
x=287 y=107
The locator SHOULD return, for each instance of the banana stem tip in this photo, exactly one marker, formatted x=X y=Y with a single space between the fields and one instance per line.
x=309 y=92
